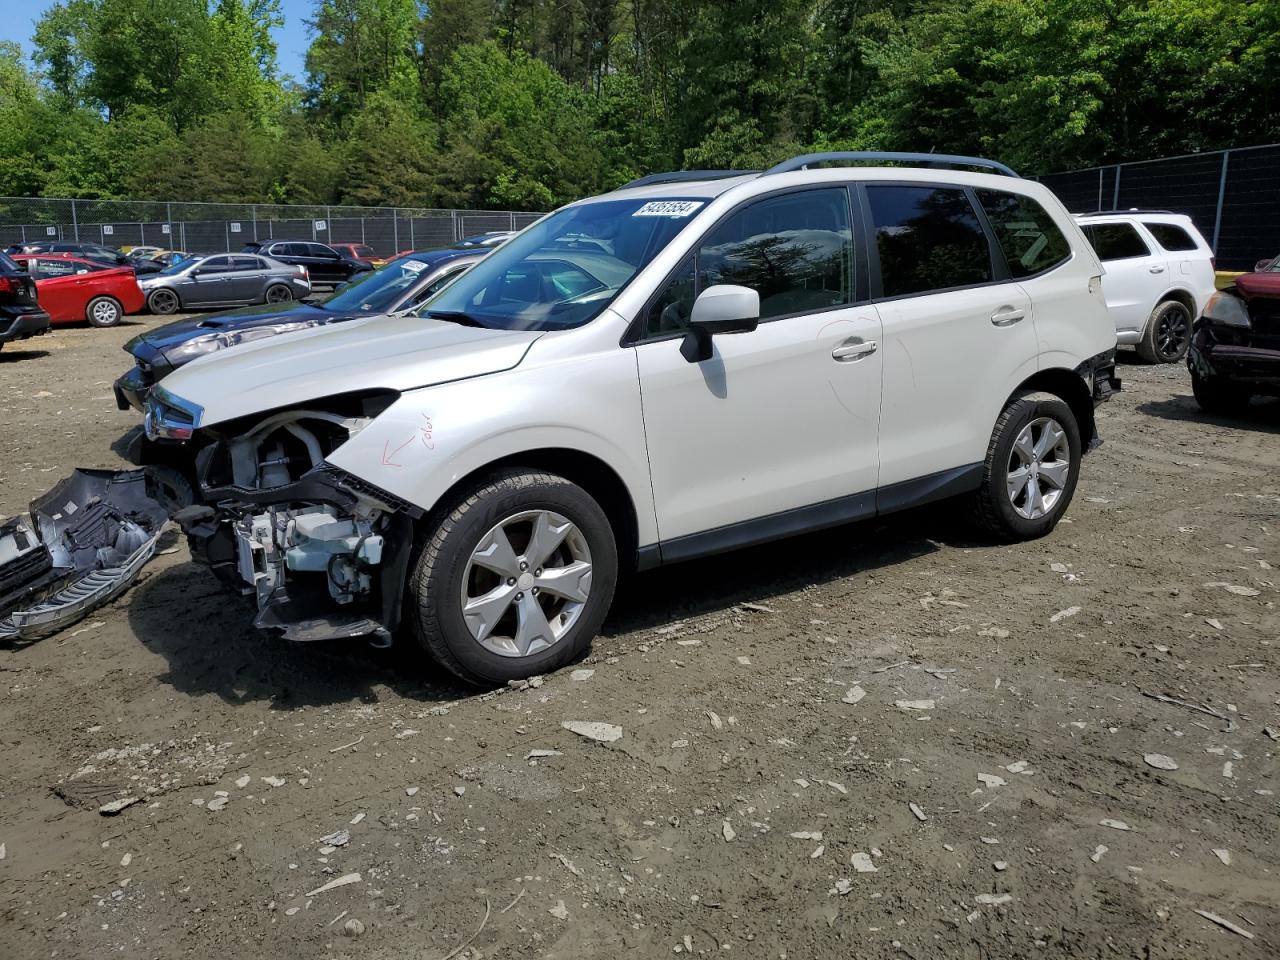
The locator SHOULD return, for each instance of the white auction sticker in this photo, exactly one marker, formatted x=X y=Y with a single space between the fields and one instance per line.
x=412 y=266
x=668 y=208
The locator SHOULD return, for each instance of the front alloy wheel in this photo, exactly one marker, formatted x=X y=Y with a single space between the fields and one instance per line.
x=514 y=578
x=527 y=583
x=1168 y=334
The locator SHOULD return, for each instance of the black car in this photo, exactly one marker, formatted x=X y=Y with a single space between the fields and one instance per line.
x=89 y=251
x=20 y=313
x=400 y=286
x=1235 y=345
x=326 y=266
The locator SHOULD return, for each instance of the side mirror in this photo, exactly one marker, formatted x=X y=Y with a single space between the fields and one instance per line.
x=720 y=309
x=1261 y=265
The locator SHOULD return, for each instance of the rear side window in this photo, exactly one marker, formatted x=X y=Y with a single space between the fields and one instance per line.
x=1031 y=241
x=1116 y=241
x=795 y=250
x=929 y=238
x=53 y=267
x=320 y=250
x=1171 y=236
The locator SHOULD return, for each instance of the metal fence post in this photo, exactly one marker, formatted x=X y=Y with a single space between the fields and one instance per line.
x=253 y=212
x=75 y=222
x=1222 y=193
x=1115 y=197
x=412 y=244
x=395 y=229
x=1099 y=188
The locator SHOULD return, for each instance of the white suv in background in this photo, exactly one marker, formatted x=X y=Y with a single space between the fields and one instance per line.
x=1160 y=275
x=695 y=362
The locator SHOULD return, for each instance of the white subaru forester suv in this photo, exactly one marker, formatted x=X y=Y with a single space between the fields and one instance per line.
x=692 y=363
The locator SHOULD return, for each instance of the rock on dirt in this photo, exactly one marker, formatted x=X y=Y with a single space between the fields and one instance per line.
x=593 y=730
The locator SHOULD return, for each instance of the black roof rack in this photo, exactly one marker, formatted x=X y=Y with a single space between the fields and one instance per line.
x=681 y=176
x=912 y=159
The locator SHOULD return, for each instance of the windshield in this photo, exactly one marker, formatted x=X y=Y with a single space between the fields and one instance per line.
x=179 y=266
x=565 y=270
x=381 y=289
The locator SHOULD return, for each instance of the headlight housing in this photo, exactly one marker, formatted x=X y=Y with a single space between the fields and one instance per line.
x=1227 y=309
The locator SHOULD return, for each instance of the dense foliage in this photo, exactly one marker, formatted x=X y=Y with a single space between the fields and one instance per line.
x=528 y=103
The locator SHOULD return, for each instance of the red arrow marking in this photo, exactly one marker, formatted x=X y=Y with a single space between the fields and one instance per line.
x=388 y=453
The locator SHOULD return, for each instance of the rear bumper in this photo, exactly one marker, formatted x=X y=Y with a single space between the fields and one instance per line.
x=1246 y=359
x=22 y=324
x=1099 y=375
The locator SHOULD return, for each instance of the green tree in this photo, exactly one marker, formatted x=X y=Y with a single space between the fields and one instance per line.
x=362 y=48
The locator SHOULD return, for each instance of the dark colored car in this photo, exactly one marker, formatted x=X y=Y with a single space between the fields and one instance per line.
x=224 y=280
x=327 y=266
x=400 y=286
x=1235 y=345
x=20 y=313
x=89 y=251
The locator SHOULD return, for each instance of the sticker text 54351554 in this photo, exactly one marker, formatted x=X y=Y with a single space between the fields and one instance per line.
x=668 y=208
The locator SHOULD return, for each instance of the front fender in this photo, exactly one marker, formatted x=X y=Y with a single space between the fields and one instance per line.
x=429 y=439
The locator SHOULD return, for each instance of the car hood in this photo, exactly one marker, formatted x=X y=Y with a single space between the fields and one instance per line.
x=1253 y=285
x=170 y=335
x=389 y=353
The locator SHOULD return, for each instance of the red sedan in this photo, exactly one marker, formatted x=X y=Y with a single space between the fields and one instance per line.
x=72 y=289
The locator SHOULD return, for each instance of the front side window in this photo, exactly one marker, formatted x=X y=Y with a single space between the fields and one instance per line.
x=216 y=265
x=795 y=250
x=566 y=269
x=928 y=238
x=1031 y=241
x=380 y=290
x=1116 y=241
x=245 y=264
x=1171 y=236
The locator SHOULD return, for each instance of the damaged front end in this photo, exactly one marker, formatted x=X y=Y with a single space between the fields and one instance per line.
x=83 y=543
x=324 y=554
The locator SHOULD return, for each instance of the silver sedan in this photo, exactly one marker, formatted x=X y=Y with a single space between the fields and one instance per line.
x=224 y=280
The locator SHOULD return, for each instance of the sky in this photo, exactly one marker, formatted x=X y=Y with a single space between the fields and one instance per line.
x=18 y=18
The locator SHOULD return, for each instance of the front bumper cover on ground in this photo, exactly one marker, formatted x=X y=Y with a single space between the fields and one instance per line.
x=83 y=543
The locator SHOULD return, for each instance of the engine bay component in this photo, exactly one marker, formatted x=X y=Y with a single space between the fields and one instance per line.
x=83 y=543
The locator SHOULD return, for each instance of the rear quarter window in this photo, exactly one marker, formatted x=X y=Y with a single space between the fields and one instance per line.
x=1031 y=241
x=1172 y=237
x=1116 y=241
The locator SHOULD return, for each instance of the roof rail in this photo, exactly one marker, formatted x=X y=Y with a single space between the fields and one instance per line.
x=870 y=156
x=680 y=176
x=1140 y=211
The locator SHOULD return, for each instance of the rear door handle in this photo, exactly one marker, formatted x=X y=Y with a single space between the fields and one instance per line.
x=854 y=349
x=1156 y=269
x=1007 y=317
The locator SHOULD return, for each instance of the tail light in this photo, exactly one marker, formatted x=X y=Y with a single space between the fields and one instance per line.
x=10 y=285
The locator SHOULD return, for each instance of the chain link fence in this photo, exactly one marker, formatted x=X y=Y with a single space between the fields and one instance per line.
x=221 y=227
x=1232 y=195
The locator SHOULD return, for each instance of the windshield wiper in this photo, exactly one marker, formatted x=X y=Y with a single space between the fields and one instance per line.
x=455 y=316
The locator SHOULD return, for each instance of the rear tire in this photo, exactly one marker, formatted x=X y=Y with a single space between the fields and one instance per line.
x=1218 y=396
x=1030 y=472
x=1168 y=333
x=278 y=293
x=163 y=302
x=529 y=610
x=103 y=312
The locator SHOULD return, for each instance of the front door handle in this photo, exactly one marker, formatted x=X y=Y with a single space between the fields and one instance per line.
x=1007 y=316
x=854 y=349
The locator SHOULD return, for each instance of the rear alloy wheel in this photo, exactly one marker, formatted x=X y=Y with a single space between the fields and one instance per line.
x=1168 y=333
x=1031 y=469
x=103 y=312
x=163 y=302
x=516 y=579
x=279 y=294
x=1217 y=396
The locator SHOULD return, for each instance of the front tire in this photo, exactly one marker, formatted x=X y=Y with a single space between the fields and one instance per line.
x=1031 y=468
x=103 y=312
x=515 y=580
x=1168 y=333
x=1219 y=397
x=163 y=302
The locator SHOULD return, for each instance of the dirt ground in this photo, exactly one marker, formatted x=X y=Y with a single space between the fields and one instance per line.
x=889 y=739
